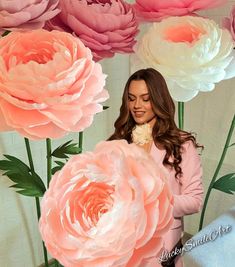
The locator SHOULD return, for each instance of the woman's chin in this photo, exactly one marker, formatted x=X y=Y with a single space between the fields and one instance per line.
x=140 y=121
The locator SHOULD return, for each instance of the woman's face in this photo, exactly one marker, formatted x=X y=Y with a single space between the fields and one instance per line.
x=139 y=102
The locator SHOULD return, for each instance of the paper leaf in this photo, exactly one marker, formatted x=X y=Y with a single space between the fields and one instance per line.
x=226 y=183
x=18 y=172
x=66 y=149
x=59 y=166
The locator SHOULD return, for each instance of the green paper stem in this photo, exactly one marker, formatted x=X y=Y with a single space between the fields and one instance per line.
x=80 y=140
x=49 y=175
x=49 y=161
x=30 y=158
x=226 y=146
x=181 y=115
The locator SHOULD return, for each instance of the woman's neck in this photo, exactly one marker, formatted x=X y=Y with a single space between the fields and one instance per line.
x=151 y=122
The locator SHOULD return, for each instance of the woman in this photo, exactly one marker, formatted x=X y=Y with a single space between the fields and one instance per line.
x=147 y=119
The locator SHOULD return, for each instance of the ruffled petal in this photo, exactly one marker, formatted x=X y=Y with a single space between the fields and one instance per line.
x=192 y=53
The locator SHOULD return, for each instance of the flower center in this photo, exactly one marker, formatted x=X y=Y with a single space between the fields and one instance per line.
x=183 y=33
x=95 y=200
x=41 y=56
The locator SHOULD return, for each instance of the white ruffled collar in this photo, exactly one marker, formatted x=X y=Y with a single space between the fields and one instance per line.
x=142 y=134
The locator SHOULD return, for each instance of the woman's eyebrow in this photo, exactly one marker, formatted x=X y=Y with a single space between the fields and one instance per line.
x=140 y=95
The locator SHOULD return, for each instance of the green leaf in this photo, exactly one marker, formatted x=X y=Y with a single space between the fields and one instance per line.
x=59 y=166
x=66 y=149
x=226 y=183
x=105 y=107
x=18 y=172
x=29 y=192
x=59 y=163
x=13 y=163
x=55 y=169
x=5 y=33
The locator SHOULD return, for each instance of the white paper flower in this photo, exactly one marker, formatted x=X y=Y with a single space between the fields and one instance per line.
x=192 y=53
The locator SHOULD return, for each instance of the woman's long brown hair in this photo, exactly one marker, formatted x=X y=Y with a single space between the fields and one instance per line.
x=166 y=134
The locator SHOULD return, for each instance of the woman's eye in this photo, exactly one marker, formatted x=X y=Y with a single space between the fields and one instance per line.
x=146 y=99
x=131 y=99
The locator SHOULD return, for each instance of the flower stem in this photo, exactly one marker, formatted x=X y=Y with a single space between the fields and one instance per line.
x=230 y=133
x=30 y=158
x=49 y=161
x=49 y=174
x=80 y=140
x=181 y=115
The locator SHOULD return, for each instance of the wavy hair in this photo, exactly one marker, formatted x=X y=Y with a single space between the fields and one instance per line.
x=166 y=135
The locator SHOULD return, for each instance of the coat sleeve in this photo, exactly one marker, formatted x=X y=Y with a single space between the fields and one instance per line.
x=190 y=199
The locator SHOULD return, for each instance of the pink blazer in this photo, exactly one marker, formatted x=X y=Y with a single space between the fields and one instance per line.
x=188 y=195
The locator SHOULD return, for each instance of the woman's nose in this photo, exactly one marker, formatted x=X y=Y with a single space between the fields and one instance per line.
x=137 y=103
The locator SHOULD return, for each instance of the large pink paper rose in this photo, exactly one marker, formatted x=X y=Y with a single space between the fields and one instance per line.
x=110 y=207
x=156 y=10
x=106 y=27
x=26 y=14
x=49 y=84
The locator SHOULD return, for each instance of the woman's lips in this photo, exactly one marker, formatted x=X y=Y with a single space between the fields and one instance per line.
x=139 y=114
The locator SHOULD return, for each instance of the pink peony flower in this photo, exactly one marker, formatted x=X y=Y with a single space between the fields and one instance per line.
x=106 y=27
x=27 y=14
x=109 y=207
x=156 y=10
x=49 y=84
x=229 y=23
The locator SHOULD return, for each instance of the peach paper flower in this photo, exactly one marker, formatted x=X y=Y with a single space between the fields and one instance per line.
x=49 y=84
x=156 y=10
x=110 y=207
x=192 y=53
x=106 y=27
x=26 y=14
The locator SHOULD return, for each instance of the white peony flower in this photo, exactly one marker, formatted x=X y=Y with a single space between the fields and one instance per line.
x=192 y=53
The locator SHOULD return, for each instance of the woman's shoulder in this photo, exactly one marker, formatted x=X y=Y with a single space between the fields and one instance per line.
x=188 y=140
x=188 y=144
x=190 y=149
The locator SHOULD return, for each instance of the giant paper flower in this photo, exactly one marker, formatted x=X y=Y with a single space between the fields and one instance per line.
x=192 y=53
x=109 y=207
x=156 y=10
x=27 y=14
x=229 y=22
x=106 y=26
x=49 y=84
